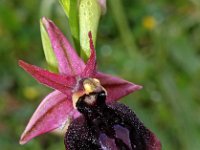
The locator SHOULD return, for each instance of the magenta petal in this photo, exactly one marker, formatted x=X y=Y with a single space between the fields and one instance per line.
x=90 y=68
x=52 y=113
x=68 y=60
x=116 y=87
x=58 y=82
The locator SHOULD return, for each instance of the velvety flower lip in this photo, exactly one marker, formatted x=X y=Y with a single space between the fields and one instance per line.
x=57 y=106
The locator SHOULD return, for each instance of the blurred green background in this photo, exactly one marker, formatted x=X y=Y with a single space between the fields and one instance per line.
x=152 y=43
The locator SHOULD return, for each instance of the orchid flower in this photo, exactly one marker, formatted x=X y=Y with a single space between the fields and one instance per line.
x=57 y=106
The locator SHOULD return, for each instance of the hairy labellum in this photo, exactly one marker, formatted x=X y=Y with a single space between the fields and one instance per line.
x=107 y=127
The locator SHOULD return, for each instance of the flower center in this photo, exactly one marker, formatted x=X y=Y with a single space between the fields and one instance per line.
x=88 y=86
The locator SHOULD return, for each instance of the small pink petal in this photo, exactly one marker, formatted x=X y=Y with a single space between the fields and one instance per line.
x=90 y=68
x=58 y=82
x=52 y=112
x=116 y=87
x=68 y=60
x=154 y=143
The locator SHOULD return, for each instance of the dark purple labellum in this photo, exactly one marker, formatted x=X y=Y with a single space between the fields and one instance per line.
x=107 y=127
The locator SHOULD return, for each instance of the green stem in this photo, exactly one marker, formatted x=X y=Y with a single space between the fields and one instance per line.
x=122 y=24
x=140 y=64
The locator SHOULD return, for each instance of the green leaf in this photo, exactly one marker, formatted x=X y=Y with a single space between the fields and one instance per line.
x=48 y=50
x=89 y=15
x=71 y=10
x=66 y=6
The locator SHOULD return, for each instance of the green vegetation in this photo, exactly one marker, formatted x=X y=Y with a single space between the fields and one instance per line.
x=152 y=43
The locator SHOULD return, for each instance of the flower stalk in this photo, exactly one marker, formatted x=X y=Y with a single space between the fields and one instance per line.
x=83 y=17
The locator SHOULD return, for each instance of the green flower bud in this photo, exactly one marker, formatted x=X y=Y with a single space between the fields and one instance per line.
x=89 y=15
